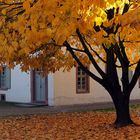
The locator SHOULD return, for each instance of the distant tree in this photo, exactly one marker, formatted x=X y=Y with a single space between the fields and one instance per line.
x=55 y=34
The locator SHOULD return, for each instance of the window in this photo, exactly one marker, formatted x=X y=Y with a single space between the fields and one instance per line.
x=5 y=78
x=82 y=81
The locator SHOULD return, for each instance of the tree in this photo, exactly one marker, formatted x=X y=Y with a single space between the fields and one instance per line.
x=50 y=35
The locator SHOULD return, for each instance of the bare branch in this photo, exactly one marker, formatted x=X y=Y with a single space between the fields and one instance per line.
x=126 y=41
x=81 y=65
x=94 y=51
x=94 y=63
x=135 y=77
x=104 y=47
x=75 y=49
x=119 y=66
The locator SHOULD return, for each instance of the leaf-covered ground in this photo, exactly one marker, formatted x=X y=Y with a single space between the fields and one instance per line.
x=68 y=126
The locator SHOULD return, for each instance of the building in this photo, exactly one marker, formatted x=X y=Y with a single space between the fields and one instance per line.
x=60 y=88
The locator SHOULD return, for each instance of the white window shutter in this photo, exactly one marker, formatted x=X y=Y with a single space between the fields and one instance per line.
x=5 y=78
x=8 y=78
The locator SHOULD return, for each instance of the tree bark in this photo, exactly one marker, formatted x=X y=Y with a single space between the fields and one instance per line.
x=123 y=117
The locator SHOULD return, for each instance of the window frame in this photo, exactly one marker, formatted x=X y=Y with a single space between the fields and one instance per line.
x=87 y=84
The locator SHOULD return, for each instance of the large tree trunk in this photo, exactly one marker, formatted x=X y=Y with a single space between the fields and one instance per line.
x=123 y=117
x=110 y=79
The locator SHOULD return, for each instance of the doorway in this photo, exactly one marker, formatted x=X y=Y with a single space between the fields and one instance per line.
x=39 y=87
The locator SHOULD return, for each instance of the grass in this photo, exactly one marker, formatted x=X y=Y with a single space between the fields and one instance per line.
x=105 y=110
x=135 y=106
x=132 y=107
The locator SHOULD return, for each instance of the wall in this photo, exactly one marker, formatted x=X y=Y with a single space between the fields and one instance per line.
x=65 y=90
x=136 y=92
x=51 y=89
x=20 y=87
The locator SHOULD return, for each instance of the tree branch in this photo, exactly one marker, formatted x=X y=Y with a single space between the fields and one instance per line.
x=126 y=8
x=126 y=41
x=104 y=47
x=122 y=49
x=85 y=69
x=111 y=69
x=90 y=55
x=75 y=49
x=125 y=66
x=119 y=66
x=135 y=77
x=94 y=51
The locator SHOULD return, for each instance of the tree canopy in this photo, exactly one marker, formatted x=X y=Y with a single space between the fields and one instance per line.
x=33 y=32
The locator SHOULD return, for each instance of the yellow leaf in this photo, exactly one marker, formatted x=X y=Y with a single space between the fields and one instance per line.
x=26 y=5
x=4 y=11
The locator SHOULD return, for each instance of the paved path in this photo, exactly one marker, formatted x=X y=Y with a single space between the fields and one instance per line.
x=9 y=109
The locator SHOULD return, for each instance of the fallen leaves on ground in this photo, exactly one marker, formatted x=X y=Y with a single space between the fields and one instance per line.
x=67 y=126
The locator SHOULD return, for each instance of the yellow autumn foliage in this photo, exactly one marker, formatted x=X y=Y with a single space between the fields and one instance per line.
x=32 y=32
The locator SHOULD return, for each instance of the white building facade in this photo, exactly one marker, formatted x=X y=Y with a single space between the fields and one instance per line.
x=60 y=88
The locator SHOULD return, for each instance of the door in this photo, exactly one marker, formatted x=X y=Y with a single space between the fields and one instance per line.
x=40 y=88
